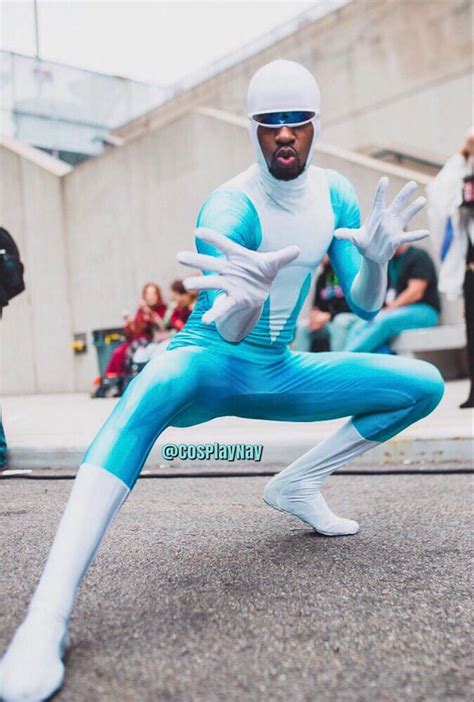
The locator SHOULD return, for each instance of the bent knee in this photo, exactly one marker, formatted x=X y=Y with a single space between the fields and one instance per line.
x=429 y=387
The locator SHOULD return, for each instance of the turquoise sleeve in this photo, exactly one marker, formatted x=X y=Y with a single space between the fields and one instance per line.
x=232 y=214
x=344 y=201
x=345 y=258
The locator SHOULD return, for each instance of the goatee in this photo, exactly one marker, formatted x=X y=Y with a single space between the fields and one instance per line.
x=282 y=173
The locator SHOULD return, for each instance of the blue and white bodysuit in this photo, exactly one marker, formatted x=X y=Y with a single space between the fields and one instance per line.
x=202 y=376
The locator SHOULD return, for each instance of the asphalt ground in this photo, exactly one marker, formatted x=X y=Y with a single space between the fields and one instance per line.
x=202 y=593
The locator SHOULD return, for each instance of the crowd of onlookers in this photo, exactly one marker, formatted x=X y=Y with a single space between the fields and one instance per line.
x=147 y=334
x=411 y=302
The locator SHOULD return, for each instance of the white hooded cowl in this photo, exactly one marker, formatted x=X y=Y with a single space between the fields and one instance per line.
x=282 y=86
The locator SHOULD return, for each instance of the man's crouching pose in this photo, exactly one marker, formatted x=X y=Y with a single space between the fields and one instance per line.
x=260 y=238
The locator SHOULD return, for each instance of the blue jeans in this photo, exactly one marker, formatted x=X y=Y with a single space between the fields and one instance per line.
x=370 y=336
x=337 y=331
x=304 y=337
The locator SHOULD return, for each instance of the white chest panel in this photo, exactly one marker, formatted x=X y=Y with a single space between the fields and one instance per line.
x=307 y=221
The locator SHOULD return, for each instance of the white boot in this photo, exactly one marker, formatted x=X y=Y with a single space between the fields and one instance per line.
x=296 y=489
x=314 y=511
x=32 y=669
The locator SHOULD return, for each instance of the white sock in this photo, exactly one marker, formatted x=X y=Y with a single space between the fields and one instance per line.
x=32 y=668
x=296 y=489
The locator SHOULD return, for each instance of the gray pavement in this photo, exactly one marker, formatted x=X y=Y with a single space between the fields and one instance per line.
x=203 y=594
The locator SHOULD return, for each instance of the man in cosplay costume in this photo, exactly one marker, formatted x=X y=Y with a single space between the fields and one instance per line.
x=260 y=238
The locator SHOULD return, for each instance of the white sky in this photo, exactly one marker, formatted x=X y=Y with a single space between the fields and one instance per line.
x=156 y=42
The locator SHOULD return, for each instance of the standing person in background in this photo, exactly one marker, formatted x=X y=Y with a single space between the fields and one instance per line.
x=11 y=284
x=451 y=212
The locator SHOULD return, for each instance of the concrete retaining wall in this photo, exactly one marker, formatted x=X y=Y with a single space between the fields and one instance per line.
x=390 y=72
x=36 y=325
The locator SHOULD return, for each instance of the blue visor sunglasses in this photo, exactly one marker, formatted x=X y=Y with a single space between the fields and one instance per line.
x=294 y=118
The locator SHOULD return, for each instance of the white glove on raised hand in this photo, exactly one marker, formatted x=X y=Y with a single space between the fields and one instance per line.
x=382 y=232
x=244 y=276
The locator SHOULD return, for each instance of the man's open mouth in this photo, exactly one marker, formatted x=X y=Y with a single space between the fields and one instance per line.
x=285 y=156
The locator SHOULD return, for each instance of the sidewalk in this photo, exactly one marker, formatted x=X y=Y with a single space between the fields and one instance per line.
x=53 y=431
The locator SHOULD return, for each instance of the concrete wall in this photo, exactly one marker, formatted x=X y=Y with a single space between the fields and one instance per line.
x=390 y=72
x=36 y=325
x=129 y=212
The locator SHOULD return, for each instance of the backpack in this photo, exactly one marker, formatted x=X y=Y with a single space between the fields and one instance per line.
x=11 y=268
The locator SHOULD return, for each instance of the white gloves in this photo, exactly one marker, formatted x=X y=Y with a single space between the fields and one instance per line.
x=382 y=232
x=377 y=240
x=244 y=277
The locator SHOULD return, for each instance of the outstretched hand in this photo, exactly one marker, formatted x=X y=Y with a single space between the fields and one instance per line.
x=382 y=232
x=244 y=276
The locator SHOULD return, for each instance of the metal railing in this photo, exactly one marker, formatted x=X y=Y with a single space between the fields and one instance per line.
x=58 y=107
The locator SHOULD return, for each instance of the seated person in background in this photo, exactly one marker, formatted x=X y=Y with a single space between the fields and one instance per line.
x=325 y=329
x=181 y=307
x=412 y=302
x=172 y=322
x=150 y=314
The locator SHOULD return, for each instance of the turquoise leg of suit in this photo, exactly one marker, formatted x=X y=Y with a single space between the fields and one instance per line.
x=192 y=384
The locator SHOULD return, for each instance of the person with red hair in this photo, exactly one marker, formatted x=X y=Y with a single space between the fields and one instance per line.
x=148 y=316
x=176 y=316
